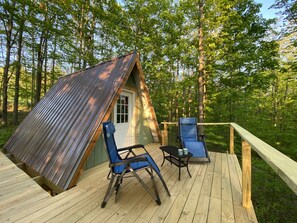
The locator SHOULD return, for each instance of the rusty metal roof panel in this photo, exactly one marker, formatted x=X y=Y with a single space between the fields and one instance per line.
x=54 y=136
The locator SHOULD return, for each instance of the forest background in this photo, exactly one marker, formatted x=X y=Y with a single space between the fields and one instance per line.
x=249 y=66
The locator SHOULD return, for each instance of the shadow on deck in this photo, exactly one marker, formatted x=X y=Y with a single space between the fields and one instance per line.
x=213 y=194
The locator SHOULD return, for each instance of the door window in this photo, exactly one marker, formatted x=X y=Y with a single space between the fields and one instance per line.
x=122 y=109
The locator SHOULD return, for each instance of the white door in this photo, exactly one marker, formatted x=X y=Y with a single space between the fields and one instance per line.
x=123 y=113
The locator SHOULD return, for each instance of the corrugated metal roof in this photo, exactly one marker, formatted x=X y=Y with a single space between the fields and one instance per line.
x=55 y=136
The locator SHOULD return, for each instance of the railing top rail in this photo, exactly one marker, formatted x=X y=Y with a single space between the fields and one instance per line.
x=219 y=123
x=284 y=166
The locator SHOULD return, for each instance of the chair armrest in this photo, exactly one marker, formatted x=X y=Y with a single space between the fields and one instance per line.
x=129 y=149
x=139 y=158
x=132 y=147
x=201 y=136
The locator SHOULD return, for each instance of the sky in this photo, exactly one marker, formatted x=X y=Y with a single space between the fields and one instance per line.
x=265 y=11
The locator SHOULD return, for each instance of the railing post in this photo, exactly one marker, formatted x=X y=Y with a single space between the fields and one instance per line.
x=246 y=175
x=165 y=135
x=231 y=140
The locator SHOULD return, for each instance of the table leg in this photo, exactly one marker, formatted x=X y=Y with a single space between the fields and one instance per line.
x=163 y=158
x=188 y=167
x=179 y=160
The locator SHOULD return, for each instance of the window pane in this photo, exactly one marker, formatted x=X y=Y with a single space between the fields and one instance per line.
x=122 y=110
x=123 y=99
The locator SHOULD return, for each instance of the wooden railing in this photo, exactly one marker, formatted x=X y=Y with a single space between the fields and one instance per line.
x=284 y=166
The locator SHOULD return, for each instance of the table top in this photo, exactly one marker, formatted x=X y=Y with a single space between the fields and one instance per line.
x=172 y=150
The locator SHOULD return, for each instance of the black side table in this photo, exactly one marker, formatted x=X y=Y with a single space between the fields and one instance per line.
x=173 y=157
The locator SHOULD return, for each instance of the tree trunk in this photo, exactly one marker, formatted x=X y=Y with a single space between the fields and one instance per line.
x=201 y=70
x=283 y=116
x=42 y=51
x=5 y=78
x=275 y=102
x=53 y=75
x=176 y=105
x=40 y=59
x=81 y=38
x=45 y=68
x=17 y=75
x=33 y=71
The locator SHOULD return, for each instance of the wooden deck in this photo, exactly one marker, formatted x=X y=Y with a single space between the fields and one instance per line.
x=213 y=194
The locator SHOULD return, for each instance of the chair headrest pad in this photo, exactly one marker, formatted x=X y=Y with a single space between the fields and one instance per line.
x=110 y=129
x=188 y=121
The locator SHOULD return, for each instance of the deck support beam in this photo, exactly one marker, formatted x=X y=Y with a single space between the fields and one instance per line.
x=246 y=175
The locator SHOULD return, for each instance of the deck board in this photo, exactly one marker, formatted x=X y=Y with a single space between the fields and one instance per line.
x=213 y=194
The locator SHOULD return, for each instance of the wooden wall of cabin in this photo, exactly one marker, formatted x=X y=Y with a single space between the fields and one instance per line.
x=142 y=132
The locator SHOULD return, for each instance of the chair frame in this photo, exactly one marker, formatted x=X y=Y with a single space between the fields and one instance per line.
x=116 y=179
x=200 y=138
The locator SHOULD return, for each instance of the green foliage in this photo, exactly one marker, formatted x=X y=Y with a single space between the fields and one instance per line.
x=272 y=199
x=288 y=7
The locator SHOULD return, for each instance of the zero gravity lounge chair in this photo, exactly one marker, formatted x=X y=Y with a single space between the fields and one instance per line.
x=189 y=138
x=128 y=166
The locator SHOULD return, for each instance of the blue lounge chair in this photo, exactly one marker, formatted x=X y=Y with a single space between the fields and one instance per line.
x=189 y=138
x=130 y=164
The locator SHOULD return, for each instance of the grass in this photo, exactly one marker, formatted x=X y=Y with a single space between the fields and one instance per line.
x=6 y=132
